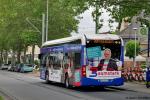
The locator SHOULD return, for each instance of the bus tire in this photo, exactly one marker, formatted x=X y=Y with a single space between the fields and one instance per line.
x=47 y=78
x=67 y=84
x=147 y=84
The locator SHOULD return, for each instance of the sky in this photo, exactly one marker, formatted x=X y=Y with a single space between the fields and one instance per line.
x=87 y=25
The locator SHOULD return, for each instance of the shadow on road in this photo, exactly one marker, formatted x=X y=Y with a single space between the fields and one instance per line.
x=87 y=89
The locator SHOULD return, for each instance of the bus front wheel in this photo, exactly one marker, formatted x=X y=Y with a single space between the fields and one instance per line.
x=47 y=78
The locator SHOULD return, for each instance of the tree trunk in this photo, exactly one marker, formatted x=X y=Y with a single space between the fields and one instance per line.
x=119 y=25
x=13 y=59
x=33 y=48
x=6 y=57
x=18 y=56
x=134 y=65
x=1 y=57
x=24 y=55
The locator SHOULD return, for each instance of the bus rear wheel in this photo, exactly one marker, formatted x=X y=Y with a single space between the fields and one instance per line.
x=67 y=84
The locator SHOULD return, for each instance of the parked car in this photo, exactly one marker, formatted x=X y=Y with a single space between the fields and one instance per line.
x=26 y=68
x=36 y=68
x=11 y=68
x=4 y=66
x=18 y=67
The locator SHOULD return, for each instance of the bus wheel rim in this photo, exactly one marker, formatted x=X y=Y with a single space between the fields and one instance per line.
x=47 y=77
x=67 y=83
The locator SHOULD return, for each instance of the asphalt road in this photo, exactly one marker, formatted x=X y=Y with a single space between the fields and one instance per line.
x=19 y=86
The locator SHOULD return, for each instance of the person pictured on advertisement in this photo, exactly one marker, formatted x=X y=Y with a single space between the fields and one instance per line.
x=107 y=64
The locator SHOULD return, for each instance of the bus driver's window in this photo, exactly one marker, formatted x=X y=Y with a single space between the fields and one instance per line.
x=66 y=61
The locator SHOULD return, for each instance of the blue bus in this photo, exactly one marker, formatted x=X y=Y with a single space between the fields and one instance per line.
x=83 y=60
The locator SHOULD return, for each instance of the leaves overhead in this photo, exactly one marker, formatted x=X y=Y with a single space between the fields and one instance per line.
x=14 y=27
x=62 y=18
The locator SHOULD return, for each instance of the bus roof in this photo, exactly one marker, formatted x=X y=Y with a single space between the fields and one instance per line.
x=81 y=36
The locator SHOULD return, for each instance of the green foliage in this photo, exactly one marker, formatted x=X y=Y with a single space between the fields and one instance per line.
x=143 y=65
x=113 y=32
x=130 y=49
x=30 y=38
x=16 y=33
x=1 y=98
x=121 y=9
x=144 y=31
x=36 y=62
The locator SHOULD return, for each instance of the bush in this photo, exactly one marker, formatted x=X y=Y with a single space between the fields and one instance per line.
x=1 y=98
x=36 y=62
x=143 y=66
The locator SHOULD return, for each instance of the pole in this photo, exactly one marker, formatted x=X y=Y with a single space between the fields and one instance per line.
x=43 y=28
x=47 y=20
x=148 y=42
x=97 y=19
x=135 y=51
x=148 y=47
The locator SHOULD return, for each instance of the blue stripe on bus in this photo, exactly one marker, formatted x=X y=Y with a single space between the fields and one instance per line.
x=82 y=55
x=64 y=48
x=95 y=82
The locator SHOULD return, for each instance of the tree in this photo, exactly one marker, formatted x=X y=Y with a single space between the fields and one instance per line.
x=14 y=27
x=130 y=49
x=126 y=9
x=30 y=38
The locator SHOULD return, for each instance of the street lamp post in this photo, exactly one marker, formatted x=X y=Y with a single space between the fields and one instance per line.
x=135 y=47
x=148 y=42
x=148 y=47
x=43 y=28
x=47 y=3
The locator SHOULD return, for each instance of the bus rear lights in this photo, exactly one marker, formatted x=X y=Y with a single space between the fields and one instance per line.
x=83 y=71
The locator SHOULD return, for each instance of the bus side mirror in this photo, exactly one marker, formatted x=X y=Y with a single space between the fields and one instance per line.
x=39 y=56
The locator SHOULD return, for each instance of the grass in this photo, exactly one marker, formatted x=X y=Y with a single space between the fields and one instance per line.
x=1 y=98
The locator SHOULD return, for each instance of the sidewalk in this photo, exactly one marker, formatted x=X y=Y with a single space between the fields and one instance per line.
x=34 y=73
x=4 y=96
x=137 y=86
x=1 y=97
x=136 y=82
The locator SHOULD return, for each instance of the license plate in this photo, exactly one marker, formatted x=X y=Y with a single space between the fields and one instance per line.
x=104 y=80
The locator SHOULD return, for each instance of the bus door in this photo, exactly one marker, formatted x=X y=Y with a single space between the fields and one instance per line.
x=43 y=66
x=55 y=69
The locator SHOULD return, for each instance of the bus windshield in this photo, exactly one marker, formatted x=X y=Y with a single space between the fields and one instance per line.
x=101 y=49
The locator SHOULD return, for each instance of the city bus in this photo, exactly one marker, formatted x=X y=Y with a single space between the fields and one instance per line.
x=80 y=60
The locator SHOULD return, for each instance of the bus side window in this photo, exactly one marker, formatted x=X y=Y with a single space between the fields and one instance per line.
x=56 y=63
x=65 y=62
x=76 y=61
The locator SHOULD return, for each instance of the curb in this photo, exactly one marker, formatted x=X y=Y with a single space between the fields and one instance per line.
x=5 y=96
x=34 y=74
x=135 y=82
